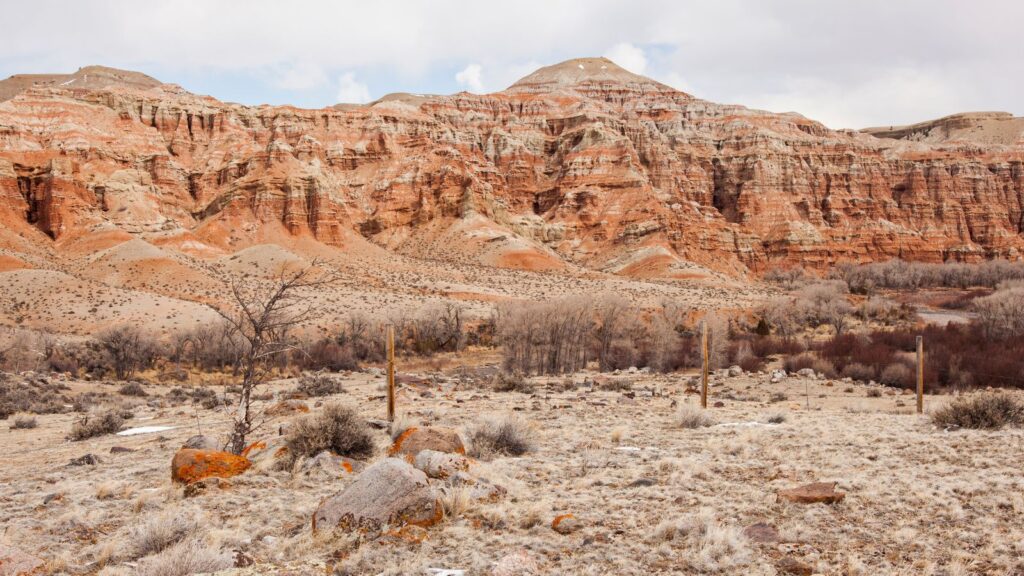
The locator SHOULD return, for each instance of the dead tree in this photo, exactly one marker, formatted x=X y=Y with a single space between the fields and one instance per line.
x=264 y=315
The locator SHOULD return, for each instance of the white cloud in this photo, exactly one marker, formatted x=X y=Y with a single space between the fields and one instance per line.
x=301 y=76
x=352 y=91
x=471 y=77
x=628 y=56
x=734 y=51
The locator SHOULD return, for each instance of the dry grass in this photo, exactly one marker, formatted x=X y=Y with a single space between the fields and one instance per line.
x=107 y=421
x=508 y=435
x=191 y=556
x=981 y=411
x=511 y=382
x=690 y=416
x=158 y=533
x=24 y=423
x=317 y=385
x=336 y=428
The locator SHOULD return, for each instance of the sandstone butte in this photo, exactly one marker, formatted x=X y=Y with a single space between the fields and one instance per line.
x=581 y=163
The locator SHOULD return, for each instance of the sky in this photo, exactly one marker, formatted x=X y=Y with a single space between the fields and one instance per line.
x=848 y=64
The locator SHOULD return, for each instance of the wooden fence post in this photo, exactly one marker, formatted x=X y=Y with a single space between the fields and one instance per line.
x=704 y=364
x=920 y=375
x=391 y=373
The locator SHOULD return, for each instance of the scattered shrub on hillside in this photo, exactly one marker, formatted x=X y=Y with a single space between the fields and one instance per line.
x=812 y=361
x=982 y=411
x=327 y=354
x=34 y=396
x=788 y=278
x=1001 y=315
x=775 y=418
x=511 y=382
x=897 y=274
x=858 y=371
x=316 y=385
x=899 y=375
x=690 y=417
x=132 y=389
x=508 y=435
x=336 y=428
x=127 y=349
x=24 y=423
x=874 y=393
x=108 y=421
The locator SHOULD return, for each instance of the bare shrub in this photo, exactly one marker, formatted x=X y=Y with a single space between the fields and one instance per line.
x=788 y=278
x=782 y=315
x=981 y=411
x=899 y=375
x=127 y=349
x=508 y=435
x=1001 y=315
x=775 y=418
x=159 y=532
x=316 y=385
x=336 y=428
x=873 y=393
x=690 y=417
x=511 y=382
x=191 y=556
x=327 y=354
x=859 y=371
x=108 y=421
x=545 y=337
x=718 y=340
x=902 y=275
x=809 y=360
x=132 y=389
x=825 y=303
x=24 y=423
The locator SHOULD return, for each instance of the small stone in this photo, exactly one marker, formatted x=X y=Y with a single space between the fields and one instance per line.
x=440 y=464
x=642 y=482
x=120 y=450
x=519 y=563
x=761 y=533
x=86 y=460
x=790 y=565
x=813 y=493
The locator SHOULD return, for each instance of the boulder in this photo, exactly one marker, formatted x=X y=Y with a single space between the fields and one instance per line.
x=201 y=442
x=390 y=492
x=330 y=464
x=14 y=562
x=85 y=460
x=480 y=489
x=190 y=465
x=813 y=493
x=735 y=371
x=412 y=441
x=565 y=524
x=440 y=464
x=790 y=565
x=267 y=455
x=519 y=563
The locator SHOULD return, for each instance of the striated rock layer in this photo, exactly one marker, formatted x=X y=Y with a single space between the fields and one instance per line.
x=578 y=164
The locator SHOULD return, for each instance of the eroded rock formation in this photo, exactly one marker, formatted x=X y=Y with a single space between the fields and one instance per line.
x=581 y=163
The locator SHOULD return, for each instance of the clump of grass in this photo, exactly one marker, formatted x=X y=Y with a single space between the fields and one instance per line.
x=777 y=397
x=24 y=423
x=191 y=556
x=982 y=411
x=98 y=424
x=160 y=532
x=132 y=389
x=317 y=385
x=775 y=418
x=689 y=416
x=511 y=382
x=874 y=393
x=336 y=428
x=508 y=435
x=402 y=423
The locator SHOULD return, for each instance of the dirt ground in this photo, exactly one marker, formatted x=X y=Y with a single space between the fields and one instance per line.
x=651 y=497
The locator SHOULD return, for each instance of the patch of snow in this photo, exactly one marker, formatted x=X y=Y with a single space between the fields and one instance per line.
x=145 y=430
x=581 y=66
x=68 y=82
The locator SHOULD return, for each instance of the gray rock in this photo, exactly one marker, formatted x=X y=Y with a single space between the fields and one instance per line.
x=200 y=442
x=735 y=371
x=440 y=464
x=391 y=492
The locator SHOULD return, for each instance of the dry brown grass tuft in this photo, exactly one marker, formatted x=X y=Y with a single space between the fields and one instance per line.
x=337 y=428
x=508 y=435
x=689 y=416
x=184 y=558
x=24 y=423
x=158 y=533
x=97 y=424
x=983 y=411
x=511 y=382
x=316 y=385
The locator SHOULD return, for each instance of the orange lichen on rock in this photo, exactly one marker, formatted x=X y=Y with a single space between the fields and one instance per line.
x=261 y=445
x=412 y=441
x=191 y=465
